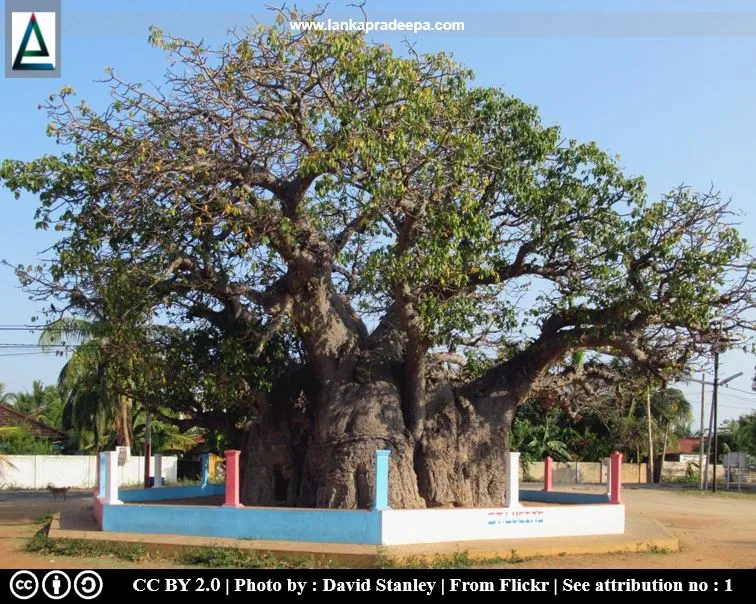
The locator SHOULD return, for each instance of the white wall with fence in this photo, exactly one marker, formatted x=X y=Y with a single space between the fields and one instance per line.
x=595 y=472
x=75 y=471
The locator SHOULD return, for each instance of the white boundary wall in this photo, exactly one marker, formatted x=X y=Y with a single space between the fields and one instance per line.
x=401 y=527
x=77 y=471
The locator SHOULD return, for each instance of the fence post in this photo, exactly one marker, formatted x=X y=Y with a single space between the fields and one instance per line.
x=205 y=478
x=158 y=480
x=381 y=480
x=513 y=481
x=111 y=479
x=548 y=474
x=232 y=479
x=608 y=476
x=102 y=475
x=615 y=482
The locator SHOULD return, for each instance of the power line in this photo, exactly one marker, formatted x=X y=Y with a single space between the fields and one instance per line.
x=739 y=397
x=22 y=354
x=40 y=346
x=693 y=395
x=751 y=392
x=735 y=407
x=29 y=344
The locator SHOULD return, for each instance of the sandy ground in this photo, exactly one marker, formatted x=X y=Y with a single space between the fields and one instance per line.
x=19 y=515
x=714 y=532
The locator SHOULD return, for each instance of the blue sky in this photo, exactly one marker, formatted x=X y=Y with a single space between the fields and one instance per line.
x=669 y=86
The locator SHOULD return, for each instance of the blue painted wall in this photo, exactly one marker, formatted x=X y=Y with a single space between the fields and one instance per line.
x=557 y=497
x=335 y=526
x=162 y=493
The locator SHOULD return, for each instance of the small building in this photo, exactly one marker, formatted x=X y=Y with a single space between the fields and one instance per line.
x=685 y=451
x=12 y=417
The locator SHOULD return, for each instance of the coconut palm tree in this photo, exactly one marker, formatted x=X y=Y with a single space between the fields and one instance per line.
x=92 y=402
x=6 y=397
x=670 y=410
x=43 y=403
x=741 y=433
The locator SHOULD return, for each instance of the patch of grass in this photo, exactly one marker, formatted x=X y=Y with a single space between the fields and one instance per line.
x=222 y=557
x=445 y=561
x=657 y=549
x=455 y=560
x=45 y=518
x=42 y=544
x=640 y=548
x=79 y=548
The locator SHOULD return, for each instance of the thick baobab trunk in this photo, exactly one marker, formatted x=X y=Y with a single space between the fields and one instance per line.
x=322 y=454
x=272 y=461
x=462 y=457
x=353 y=421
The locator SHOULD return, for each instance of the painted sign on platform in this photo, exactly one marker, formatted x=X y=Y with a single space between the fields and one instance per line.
x=515 y=517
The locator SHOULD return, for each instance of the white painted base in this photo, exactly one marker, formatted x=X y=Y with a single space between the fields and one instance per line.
x=403 y=527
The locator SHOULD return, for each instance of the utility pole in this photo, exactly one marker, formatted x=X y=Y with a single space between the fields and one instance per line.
x=701 y=440
x=147 y=450
x=714 y=403
x=708 y=445
x=712 y=418
x=650 y=465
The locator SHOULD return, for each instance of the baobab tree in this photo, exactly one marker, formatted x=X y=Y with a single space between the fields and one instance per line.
x=423 y=254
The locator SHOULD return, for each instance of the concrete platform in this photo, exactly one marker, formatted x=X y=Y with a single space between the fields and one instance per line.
x=641 y=534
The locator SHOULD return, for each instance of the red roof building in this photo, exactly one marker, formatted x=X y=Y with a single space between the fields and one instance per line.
x=13 y=417
x=686 y=445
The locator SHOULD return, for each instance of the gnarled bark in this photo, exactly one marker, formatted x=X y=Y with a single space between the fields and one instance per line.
x=321 y=454
x=461 y=460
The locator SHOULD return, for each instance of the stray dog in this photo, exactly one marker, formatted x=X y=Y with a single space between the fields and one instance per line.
x=58 y=491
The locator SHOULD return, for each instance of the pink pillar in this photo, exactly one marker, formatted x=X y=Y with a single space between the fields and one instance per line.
x=232 y=479
x=615 y=477
x=548 y=474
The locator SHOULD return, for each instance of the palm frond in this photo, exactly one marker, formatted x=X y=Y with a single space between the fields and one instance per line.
x=82 y=364
x=68 y=330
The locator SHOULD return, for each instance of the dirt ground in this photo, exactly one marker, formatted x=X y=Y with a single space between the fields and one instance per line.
x=714 y=532
x=19 y=515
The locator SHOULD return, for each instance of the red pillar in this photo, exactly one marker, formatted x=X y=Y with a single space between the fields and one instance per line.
x=232 y=479
x=548 y=474
x=616 y=478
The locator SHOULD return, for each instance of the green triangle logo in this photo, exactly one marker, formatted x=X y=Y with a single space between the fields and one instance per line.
x=33 y=27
